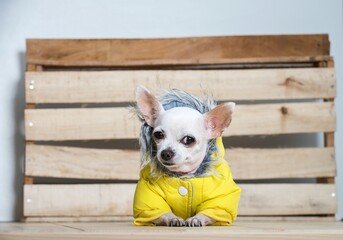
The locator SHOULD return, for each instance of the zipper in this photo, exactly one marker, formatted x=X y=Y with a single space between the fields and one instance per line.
x=190 y=199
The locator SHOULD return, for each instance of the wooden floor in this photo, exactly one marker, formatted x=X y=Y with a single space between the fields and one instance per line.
x=126 y=230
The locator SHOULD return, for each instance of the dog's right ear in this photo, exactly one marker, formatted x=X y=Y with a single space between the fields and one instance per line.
x=148 y=104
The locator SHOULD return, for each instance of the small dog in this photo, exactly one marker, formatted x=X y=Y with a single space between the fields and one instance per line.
x=184 y=179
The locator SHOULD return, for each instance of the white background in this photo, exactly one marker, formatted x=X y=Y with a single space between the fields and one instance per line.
x=20 y=20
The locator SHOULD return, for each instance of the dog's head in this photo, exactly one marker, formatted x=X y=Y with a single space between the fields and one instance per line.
x=181 y=134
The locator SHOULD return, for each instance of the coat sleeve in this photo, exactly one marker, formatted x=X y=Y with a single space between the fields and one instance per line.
x=221 y=202
x=149 y=203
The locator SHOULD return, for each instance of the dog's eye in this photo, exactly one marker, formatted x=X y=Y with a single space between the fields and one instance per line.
x=158 y=135
x=188 y=140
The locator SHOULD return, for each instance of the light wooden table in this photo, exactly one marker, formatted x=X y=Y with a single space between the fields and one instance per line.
x=126 y=230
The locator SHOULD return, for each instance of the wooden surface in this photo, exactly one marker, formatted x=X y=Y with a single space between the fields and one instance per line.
x=117 y=123
x=126 y=230
x=249 y=84
x=295 y=218
x=117 y=199
x=174 y=51
x=87 y=163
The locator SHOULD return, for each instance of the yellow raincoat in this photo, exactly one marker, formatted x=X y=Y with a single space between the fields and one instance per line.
x=215 y=196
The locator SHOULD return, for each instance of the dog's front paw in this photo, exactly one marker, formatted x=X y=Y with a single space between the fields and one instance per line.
x=176 y=222
x=194 y=222
x=170 y=219
x=199 y=220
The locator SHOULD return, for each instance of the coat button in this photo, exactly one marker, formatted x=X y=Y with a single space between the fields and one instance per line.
x=183 y=191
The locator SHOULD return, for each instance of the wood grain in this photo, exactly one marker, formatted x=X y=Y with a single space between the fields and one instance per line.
x=126 y=230
x=86 y=163
x=107 y=86
x=173 y=51
x=115 y=219
x=257 y=163
x=116 y=199
x=120 y=123
x=81 y=163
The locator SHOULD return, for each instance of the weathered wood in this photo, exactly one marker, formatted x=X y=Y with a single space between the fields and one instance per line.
x=92 y=219
x=174 y=51
x=82 y=163
x=85 y=163
x=287 y=199
x=116 y=199
x=126 y=230
x=28 y=180
x=107 y=86
x=257 y=163
x=78 y=200
x=329 y=139
x=301 y=219
x=80 y=124
x=118 y=123
x=30 y=67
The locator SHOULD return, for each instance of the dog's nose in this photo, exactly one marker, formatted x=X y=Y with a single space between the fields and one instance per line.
x=167 y=154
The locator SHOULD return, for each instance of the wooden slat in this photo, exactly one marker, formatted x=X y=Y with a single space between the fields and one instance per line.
x=116 y=199
x=107 y=86
x=127 y=231
x=111 y=219
x=173 y=51
x=81 y=163
x=78 y=124
x=302 y=219
x=78 y=200
x=113 y=123
x=85 y=163
x=287 y=199
x=281 y=163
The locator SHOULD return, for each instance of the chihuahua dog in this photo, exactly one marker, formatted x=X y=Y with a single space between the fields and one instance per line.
x=184 y=180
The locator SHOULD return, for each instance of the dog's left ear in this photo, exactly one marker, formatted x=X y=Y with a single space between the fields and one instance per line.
x=218 y=119
x=148 y=104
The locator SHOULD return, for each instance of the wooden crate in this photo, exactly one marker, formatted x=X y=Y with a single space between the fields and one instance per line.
x=82 y=159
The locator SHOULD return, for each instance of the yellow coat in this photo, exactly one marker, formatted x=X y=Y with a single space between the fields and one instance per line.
x=216 y=195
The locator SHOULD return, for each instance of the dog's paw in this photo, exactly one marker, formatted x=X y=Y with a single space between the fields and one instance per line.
x=176 y=222
x=199 y=220
x=169 y=219
x=194 y=222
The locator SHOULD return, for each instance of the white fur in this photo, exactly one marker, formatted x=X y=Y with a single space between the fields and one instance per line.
x=177 y=123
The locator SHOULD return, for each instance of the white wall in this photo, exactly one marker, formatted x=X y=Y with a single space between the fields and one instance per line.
x=140 y=19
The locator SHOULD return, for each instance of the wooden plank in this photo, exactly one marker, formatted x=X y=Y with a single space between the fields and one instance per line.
x=81 y=163
x=299 y=219
x=78 y=200
x=287 y=199
x=28 y=180
x=126 y=230
x=86 y=163
x=173 y=51
x=79 y=124
x=281 y=163
x=107 y=86
x=117 y=123
x=116 y=199
x=87 y=219
x=112 y=219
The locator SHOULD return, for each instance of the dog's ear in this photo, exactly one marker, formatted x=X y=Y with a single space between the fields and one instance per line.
x=148 y=104
x=218 y=119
